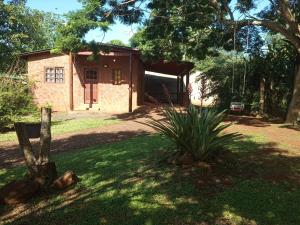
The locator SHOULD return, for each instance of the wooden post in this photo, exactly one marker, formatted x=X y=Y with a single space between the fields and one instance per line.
x=130 y=83
x=71 y=81
x=178 y=89
x=187 y=81
x=45 y=140
x=188 y=94
x=181 y=90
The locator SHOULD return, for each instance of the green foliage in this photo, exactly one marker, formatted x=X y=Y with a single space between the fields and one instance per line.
x=23 y=29
x=149 y=48
x=197 y=134
x=219 y=69
x=277 y=67
x=175 y=31
x=117 y=42
x=94 y=15
x=15 y=100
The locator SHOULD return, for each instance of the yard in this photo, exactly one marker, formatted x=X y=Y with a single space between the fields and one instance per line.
x=126 y=182
x=183 y=165
x=63 y=124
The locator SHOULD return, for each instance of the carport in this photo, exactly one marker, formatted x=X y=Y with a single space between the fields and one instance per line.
x=180 y=71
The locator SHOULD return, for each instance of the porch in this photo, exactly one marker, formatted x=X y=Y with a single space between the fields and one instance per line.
x=173 y=77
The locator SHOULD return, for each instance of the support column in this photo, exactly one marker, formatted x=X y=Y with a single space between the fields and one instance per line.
x=71 y=81
x=130 y=83
x=187 y=87
x=181 y=90
x=187 y=81
x=178 y=89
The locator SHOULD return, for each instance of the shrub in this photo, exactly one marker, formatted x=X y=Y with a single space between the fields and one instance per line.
x=197 y=134
x=15 y=100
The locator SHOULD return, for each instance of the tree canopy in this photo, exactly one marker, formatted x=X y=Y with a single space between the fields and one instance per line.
x=23 y=29
x=178 y=21
x=117 y=42
x=180 y=29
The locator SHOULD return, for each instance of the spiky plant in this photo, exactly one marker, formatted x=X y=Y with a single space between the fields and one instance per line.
x=197 y=134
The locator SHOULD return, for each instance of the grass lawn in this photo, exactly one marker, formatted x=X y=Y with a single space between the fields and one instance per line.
x=66 y=126
x=126 y=183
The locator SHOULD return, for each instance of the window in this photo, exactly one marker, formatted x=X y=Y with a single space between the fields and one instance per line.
x=54 y=75
x=117 y=78
x=91 y=75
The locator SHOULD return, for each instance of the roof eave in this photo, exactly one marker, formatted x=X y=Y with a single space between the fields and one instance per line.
x=113 y=48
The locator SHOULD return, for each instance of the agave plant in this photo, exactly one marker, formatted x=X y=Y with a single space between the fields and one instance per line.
x=194 y=133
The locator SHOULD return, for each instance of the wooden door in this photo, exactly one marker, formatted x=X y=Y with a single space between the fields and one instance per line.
x=90 y=86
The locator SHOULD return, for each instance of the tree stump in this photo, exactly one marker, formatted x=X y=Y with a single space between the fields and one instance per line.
x=47 y=173
x=39 y=167
x=42 y=174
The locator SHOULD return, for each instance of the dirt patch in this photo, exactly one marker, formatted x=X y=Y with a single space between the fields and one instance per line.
x=280 y=135
x=11 y=156
x=283 y=139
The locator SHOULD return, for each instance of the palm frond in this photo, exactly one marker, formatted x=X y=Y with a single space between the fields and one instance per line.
x=197 y=134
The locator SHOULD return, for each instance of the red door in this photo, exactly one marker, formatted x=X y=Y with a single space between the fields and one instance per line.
x=90 y=87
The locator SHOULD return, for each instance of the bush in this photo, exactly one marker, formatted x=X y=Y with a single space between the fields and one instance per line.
x=15 y=100
x=197 y=134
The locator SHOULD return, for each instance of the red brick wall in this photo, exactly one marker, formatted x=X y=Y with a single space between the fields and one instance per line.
x=111 y=98
x=54 y=94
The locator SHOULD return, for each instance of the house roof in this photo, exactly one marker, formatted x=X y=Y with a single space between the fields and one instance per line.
x=171 y=68
x=35 y=52
x=114 y=48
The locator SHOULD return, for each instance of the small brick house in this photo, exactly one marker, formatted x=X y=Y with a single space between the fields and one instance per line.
x=113 y=82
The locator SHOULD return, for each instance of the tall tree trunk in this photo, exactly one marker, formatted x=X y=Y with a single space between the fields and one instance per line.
x=261 y=95
x=45 y=140
x=294 y=107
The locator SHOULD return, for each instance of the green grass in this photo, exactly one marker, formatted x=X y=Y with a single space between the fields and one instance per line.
x=125 y=183
x=66 y=126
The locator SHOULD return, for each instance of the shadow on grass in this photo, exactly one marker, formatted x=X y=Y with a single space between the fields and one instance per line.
x=123 y=183
x=247 y=121
x=11 y=156
x=145 y=111
x=292 y=127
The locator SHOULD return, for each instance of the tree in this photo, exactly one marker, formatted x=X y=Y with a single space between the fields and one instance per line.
x=23 y=29
x=275 y=68
x=16 y=100
x=94 y=14
x=281 y=16
x=177 y=30
x=117 y=42
x=38 y=163
x=189 y=27
x=176 y=24
x=218 y=69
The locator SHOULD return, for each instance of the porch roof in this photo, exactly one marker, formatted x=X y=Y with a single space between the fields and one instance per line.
x=171 y=68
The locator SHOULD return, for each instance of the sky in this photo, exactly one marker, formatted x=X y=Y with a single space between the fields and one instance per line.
x=117 y=31
x=260 y=4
